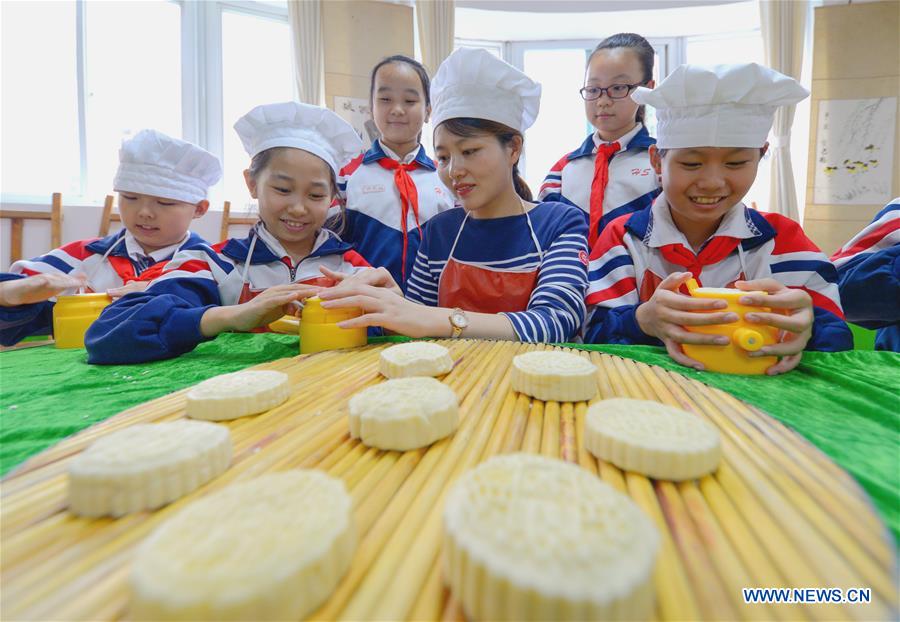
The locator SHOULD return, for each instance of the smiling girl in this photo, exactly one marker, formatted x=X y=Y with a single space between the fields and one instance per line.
x=609 y=174
x=393 y=189
x=500 y=266
x=244 y=284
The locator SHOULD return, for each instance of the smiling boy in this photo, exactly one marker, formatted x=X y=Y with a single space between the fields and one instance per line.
x=713 y=124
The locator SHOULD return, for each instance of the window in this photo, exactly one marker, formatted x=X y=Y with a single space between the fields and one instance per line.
x=39 y=112
x=256 y=69
x=98 y=72
x=561 y=125
x=132 y=80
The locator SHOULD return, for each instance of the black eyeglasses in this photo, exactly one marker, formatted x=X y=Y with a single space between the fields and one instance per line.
x=615 y=91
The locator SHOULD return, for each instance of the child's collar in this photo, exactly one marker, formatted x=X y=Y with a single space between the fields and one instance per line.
x=637 y=138
x=132 y=249
x=268 y=249
x=655 y=227
x=135 y=250
x=378 y=151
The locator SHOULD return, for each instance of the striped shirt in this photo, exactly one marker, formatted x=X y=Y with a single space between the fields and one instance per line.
x=108 y=263
x=556 y=309
x=869 y=271
x=628 y=263
x=632 y=182
x=164 y=320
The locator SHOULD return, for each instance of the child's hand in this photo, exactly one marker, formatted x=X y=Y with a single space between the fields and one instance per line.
x=792 y=313
x=383 y=307
x=267 y=307
x=38 y=288
x=132 y=286
x=667 y=313
x=376 y=277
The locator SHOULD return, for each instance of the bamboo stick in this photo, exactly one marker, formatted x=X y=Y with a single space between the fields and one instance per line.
x=713 y=598
x=430 y=602
x=675 y=599
x=723 y=557
x=550 y=431
x=531 y=442
x=568 y=448
x=518 y=425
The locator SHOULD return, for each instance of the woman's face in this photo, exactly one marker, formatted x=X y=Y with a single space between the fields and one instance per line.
x=477 y=169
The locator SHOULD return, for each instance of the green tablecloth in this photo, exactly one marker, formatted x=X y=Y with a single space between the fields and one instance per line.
x=845 y=403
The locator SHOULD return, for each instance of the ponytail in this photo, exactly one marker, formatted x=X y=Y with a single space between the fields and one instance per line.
x=522 y=188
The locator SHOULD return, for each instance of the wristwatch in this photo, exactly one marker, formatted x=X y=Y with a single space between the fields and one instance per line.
x=458 y=322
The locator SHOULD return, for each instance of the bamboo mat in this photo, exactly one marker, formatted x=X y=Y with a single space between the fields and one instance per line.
x=777 y=513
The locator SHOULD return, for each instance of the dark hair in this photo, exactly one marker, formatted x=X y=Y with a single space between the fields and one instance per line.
x=418 y=67
x=640 y=46
x=468 y=127
x=260 y=161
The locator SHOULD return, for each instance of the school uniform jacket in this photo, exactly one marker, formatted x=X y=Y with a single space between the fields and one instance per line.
x=164 y=320
x=869 y=271
x=635 y=253
x=556 y=308
x=373 y=207
x=126 y=262
x=632 y=182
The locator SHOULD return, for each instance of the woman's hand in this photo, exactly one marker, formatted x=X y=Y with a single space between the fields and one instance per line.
x=376 y=277
x=38 y=288
x=792 y=314
x=132 y=286
x=386 y=308
x=667 y=313
x=264 y=309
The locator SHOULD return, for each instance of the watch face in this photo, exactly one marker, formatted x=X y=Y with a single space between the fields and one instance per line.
x=459 y=319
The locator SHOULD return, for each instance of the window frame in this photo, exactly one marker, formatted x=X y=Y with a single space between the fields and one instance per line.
x=201 y=82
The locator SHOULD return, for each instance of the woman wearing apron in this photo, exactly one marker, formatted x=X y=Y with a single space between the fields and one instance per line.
x=499 y=266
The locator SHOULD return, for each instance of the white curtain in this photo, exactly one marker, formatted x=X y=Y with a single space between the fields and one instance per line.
x=783 y=24
x=436 y=20
x=305 y=17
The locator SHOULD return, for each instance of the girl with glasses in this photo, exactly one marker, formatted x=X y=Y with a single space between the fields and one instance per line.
x=610 y=174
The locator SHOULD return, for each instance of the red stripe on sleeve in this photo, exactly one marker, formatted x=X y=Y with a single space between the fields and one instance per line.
x=789 y=237
x=78 y=249
x=194 y=265
x=355 y=259
x=869 y=240
x=351 y=166
x=618 y=289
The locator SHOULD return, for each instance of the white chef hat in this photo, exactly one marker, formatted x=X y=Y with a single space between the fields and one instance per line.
x=152 y=163
x=476 y=84
x=719 y=105
x=301 y=126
